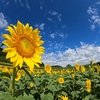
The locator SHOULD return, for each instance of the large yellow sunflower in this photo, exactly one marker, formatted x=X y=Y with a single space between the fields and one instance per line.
x=23 y=44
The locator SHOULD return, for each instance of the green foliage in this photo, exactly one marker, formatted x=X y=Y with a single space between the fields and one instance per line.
x=47 y=87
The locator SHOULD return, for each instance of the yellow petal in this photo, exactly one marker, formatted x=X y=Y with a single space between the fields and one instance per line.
x=36 y=60
x=29 y=30
x=19 y=27
x=14 y=58
x=29 y=63
x=14 y=27
x=7 y=49
x=17 y=61
x=8 y=43
x=12 y=31
x=21 y=61
x=37 y=56
x=10 y=54
x=35 y=32
x=6 y=36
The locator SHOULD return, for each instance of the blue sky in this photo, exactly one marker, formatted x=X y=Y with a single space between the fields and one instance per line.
x=69 y=28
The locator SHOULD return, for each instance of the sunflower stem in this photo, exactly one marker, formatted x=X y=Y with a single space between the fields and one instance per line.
x=29 y=76
x=13 y=81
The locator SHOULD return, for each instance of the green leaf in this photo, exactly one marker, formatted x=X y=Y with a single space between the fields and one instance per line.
x=88 y=97
x=18 y=93
x=64 y=93
x=51 y=88
x=25 y=97
x=48 y=96
x=74 y=94
x=6 y=96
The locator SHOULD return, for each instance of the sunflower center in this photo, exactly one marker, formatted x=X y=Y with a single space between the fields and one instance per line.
x=25 y=46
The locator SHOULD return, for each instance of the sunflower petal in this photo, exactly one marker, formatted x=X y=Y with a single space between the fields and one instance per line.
x=10 y=54
x=8 y=43
x=29 y=63
x=6 y=36
x=11 y=31
x=21 y=61
x=14 y=58
x=19 y=27
x=16 y=62
x=7 y=49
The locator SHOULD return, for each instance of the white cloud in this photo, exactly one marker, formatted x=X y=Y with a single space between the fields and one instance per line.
x=3 y=21
x=54 y=45
x=54 y=13
x=40 y=26
x=58 y=34
x=83 y=55
x=49 y=19
x=27 y=4
x=53 y=35
x=62 y=35
x=94 y=12
x=23 y=3
x=59 y=17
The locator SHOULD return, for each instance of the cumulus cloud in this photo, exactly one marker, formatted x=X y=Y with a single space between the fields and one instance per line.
x=3 y=21
x=83 y=55
x=94 y=12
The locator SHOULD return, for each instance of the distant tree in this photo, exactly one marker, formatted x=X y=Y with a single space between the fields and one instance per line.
x=68 y=65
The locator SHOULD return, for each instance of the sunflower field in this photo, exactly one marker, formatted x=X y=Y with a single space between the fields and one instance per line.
x=25 y=79
x=78 y=83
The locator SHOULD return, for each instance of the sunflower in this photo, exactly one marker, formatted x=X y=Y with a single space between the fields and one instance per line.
x=61 y=80
x=83 y=69
x=88 y=85
x=47 y=68
x=73 y=75
x=23 y=44
x=18 y=77
x=63 y=97
x=77 y=66
x=96 y=69
x=31 y=84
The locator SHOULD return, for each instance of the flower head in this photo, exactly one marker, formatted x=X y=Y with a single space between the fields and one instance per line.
x=31 y=84
x=61 y=80
x=96 y=69
x=83 y=69
x=77 y=66
x=73 y=75
x=63 y=97
x=18 y=76
x=88 y=85
x=47 y=68
x=23 y=44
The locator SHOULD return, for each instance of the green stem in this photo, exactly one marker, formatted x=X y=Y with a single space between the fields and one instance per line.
x=29 y=75
x=13 y=81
